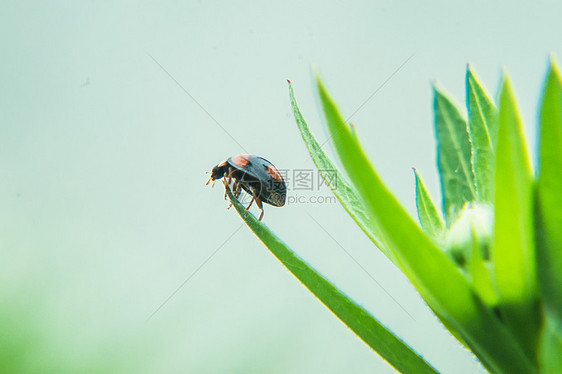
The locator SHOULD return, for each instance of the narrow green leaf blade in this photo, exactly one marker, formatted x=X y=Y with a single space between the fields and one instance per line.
x=550 y=346
x=428 y=214
x=342 y=189
x=453 y=156
x=480 y=274
x=513 y=246
x=439 y=282
x=483 y=129
x=364 y=325
x=549 y=195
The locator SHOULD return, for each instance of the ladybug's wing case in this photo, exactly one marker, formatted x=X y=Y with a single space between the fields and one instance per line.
x=273 y=190
x=243 y=163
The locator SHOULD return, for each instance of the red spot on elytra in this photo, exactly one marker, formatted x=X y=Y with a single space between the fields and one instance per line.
x=274 y=173
x=240 y=160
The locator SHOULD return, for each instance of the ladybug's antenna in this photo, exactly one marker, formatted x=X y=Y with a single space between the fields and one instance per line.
x=210 y=179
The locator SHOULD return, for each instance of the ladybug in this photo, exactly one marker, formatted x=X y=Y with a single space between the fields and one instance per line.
x=255 y=175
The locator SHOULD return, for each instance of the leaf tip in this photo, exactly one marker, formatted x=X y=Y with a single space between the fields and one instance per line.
x=316 y=73
x=417 y=177
x=505 y=86
x=505 y=76
x=553 y=67
x=438 y=89
x=470 y=75
x=318 y=80
x=442 y=97
x=434 y=84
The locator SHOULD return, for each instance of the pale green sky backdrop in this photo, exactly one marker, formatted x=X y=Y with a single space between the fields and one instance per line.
x=103 y=157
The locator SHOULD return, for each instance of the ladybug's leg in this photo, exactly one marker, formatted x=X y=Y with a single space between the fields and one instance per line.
x=235 y=191
x=236 y=188
x=259 y=204
x=257 y=200
x=227 y=180
x=230 y=202
x=251 y=201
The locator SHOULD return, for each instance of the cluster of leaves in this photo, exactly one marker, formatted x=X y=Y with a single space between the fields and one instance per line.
x=489 y=265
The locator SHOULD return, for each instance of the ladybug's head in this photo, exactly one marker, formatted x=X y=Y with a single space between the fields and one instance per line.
x=218 y=172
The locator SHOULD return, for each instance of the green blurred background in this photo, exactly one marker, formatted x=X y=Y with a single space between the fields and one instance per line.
x=104 y=208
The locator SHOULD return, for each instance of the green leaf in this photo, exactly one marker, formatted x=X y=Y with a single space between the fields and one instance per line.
x=479 y=272
x=549 y=195
x=364 y=325
x=483 y=129
x=428 y=215
x=453 y=156
x=513 y=246
x=550 y=346
x=439 y=282
x=342 y=189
